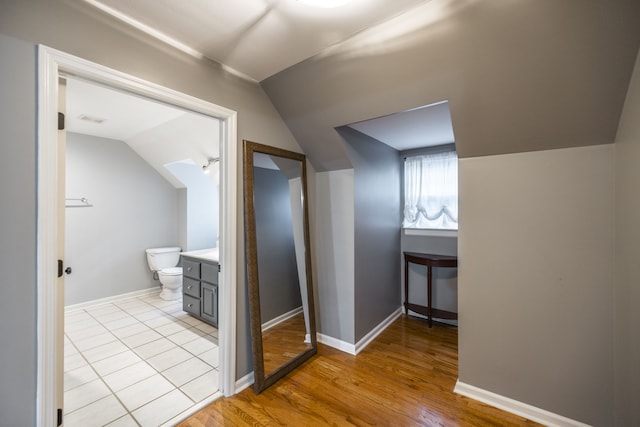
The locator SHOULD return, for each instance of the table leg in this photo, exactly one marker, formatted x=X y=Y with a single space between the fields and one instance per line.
x=429 y=316
x=406 y=286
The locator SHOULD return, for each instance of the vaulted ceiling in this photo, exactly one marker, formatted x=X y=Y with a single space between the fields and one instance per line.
x=518 y=75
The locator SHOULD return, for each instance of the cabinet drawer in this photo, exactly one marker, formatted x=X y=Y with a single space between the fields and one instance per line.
x=191 y=305
x=191 y=287
x=191 y=269
x=209 y=273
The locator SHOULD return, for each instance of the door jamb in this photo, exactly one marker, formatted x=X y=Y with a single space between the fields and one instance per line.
x=51 y=63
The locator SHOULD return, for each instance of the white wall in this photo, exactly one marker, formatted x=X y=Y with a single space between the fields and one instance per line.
x=334 y=263
x=536 y=279
x=627 y=291
x=134 y=208
x=201 y=206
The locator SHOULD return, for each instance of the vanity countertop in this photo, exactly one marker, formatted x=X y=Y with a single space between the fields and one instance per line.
x=210 y=254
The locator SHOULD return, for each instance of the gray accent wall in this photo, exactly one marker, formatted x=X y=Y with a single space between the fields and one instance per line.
x=17 y=233
x=377 y=220
x=627 y=287
x=535 y=279
x=134 y=208
x=334 y=254
x=277 y=266
x=79 y=29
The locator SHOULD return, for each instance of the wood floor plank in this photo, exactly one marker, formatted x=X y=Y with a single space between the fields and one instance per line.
x=405 y=377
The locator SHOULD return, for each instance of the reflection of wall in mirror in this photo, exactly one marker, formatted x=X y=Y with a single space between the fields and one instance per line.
x=277 y=266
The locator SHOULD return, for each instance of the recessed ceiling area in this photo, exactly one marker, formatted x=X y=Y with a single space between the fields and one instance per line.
x=420 y=127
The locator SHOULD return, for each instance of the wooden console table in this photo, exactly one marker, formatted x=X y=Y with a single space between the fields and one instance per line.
x=430 y=260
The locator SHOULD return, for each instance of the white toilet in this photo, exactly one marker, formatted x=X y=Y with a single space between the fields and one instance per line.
x=163 y=261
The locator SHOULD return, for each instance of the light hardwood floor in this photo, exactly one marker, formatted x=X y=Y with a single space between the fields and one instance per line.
x=405 y=377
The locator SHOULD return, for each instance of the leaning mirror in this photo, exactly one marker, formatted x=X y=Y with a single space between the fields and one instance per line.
x=278 y=262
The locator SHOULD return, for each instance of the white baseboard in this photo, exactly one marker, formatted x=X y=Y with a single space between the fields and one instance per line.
x=244 y=382
x=134 y=294
x=273 y=322
x=337 y=344
x=360 y=345
x=515 y=407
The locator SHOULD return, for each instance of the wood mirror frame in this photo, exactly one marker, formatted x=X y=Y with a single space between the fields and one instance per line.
x=273 y=336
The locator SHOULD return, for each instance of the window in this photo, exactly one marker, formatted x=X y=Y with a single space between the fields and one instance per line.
x=431 y=191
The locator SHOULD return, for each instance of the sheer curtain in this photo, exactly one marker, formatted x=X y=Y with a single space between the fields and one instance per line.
x=431 y=191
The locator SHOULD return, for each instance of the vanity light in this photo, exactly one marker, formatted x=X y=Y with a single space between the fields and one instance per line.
x=327 y=4
x=207 y=168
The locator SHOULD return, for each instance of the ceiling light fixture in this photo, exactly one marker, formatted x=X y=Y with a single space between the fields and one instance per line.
x=326 y=4
x=207 y=168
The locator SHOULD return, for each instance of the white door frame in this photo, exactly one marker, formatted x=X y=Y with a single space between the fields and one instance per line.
x=51 y=63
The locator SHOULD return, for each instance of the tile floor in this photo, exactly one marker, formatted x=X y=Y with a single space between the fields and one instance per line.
x=136 y=362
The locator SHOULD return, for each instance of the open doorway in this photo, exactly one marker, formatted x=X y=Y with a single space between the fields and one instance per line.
x=132 y=353
x=53 y=65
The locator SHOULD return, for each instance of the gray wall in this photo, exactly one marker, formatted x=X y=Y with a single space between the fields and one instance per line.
x=77 y=28
x=134 y=208
x=519 y=76
x=627 y=289
x=17 y=233
x=277 y=267
x=377 y=219
x=535 y=283
x=334 y=271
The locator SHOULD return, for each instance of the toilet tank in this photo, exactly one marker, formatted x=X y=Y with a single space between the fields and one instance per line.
x=159 y=258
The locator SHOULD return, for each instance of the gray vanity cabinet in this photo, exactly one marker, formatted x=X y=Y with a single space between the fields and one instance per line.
x=200 y=289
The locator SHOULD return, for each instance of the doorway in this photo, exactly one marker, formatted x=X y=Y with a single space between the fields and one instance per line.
x=52 y=65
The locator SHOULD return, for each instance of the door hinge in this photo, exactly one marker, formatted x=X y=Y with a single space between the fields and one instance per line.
x=59 y=417
x=60 y=121
x=219 y=268
x=60 y=265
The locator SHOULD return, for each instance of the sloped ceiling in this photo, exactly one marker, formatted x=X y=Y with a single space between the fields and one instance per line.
x=519 y=75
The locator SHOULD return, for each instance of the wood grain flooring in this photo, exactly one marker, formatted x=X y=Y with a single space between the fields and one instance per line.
x=405 y=377
x=283 y=342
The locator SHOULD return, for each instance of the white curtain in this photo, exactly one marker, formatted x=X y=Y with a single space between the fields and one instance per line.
x=431 y=191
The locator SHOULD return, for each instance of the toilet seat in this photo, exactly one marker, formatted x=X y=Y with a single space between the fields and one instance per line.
x=173 y=271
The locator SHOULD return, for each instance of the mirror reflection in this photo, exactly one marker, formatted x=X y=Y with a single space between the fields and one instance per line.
x=283 y=329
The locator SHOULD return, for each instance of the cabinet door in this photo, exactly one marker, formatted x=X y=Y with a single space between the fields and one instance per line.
x=209 y=300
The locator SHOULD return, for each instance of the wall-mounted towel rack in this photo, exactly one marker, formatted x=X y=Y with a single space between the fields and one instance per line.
x=82 y=202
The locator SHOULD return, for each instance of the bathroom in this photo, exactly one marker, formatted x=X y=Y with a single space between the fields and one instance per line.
x=135 y=182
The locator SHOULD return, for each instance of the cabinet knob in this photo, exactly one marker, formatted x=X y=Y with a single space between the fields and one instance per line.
x=189 y=305
x=189 y=287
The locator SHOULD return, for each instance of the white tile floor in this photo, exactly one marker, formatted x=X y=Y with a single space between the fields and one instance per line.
x=136 y=362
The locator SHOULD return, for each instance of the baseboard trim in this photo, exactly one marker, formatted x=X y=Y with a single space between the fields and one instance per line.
x=515 y=407
x=356 y=348
x=244 y=382
x=366 y=340
x=134 y=294
x=273 y=322
x=337 y=344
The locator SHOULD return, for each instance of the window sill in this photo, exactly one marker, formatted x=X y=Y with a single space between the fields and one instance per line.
x=432 y=232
